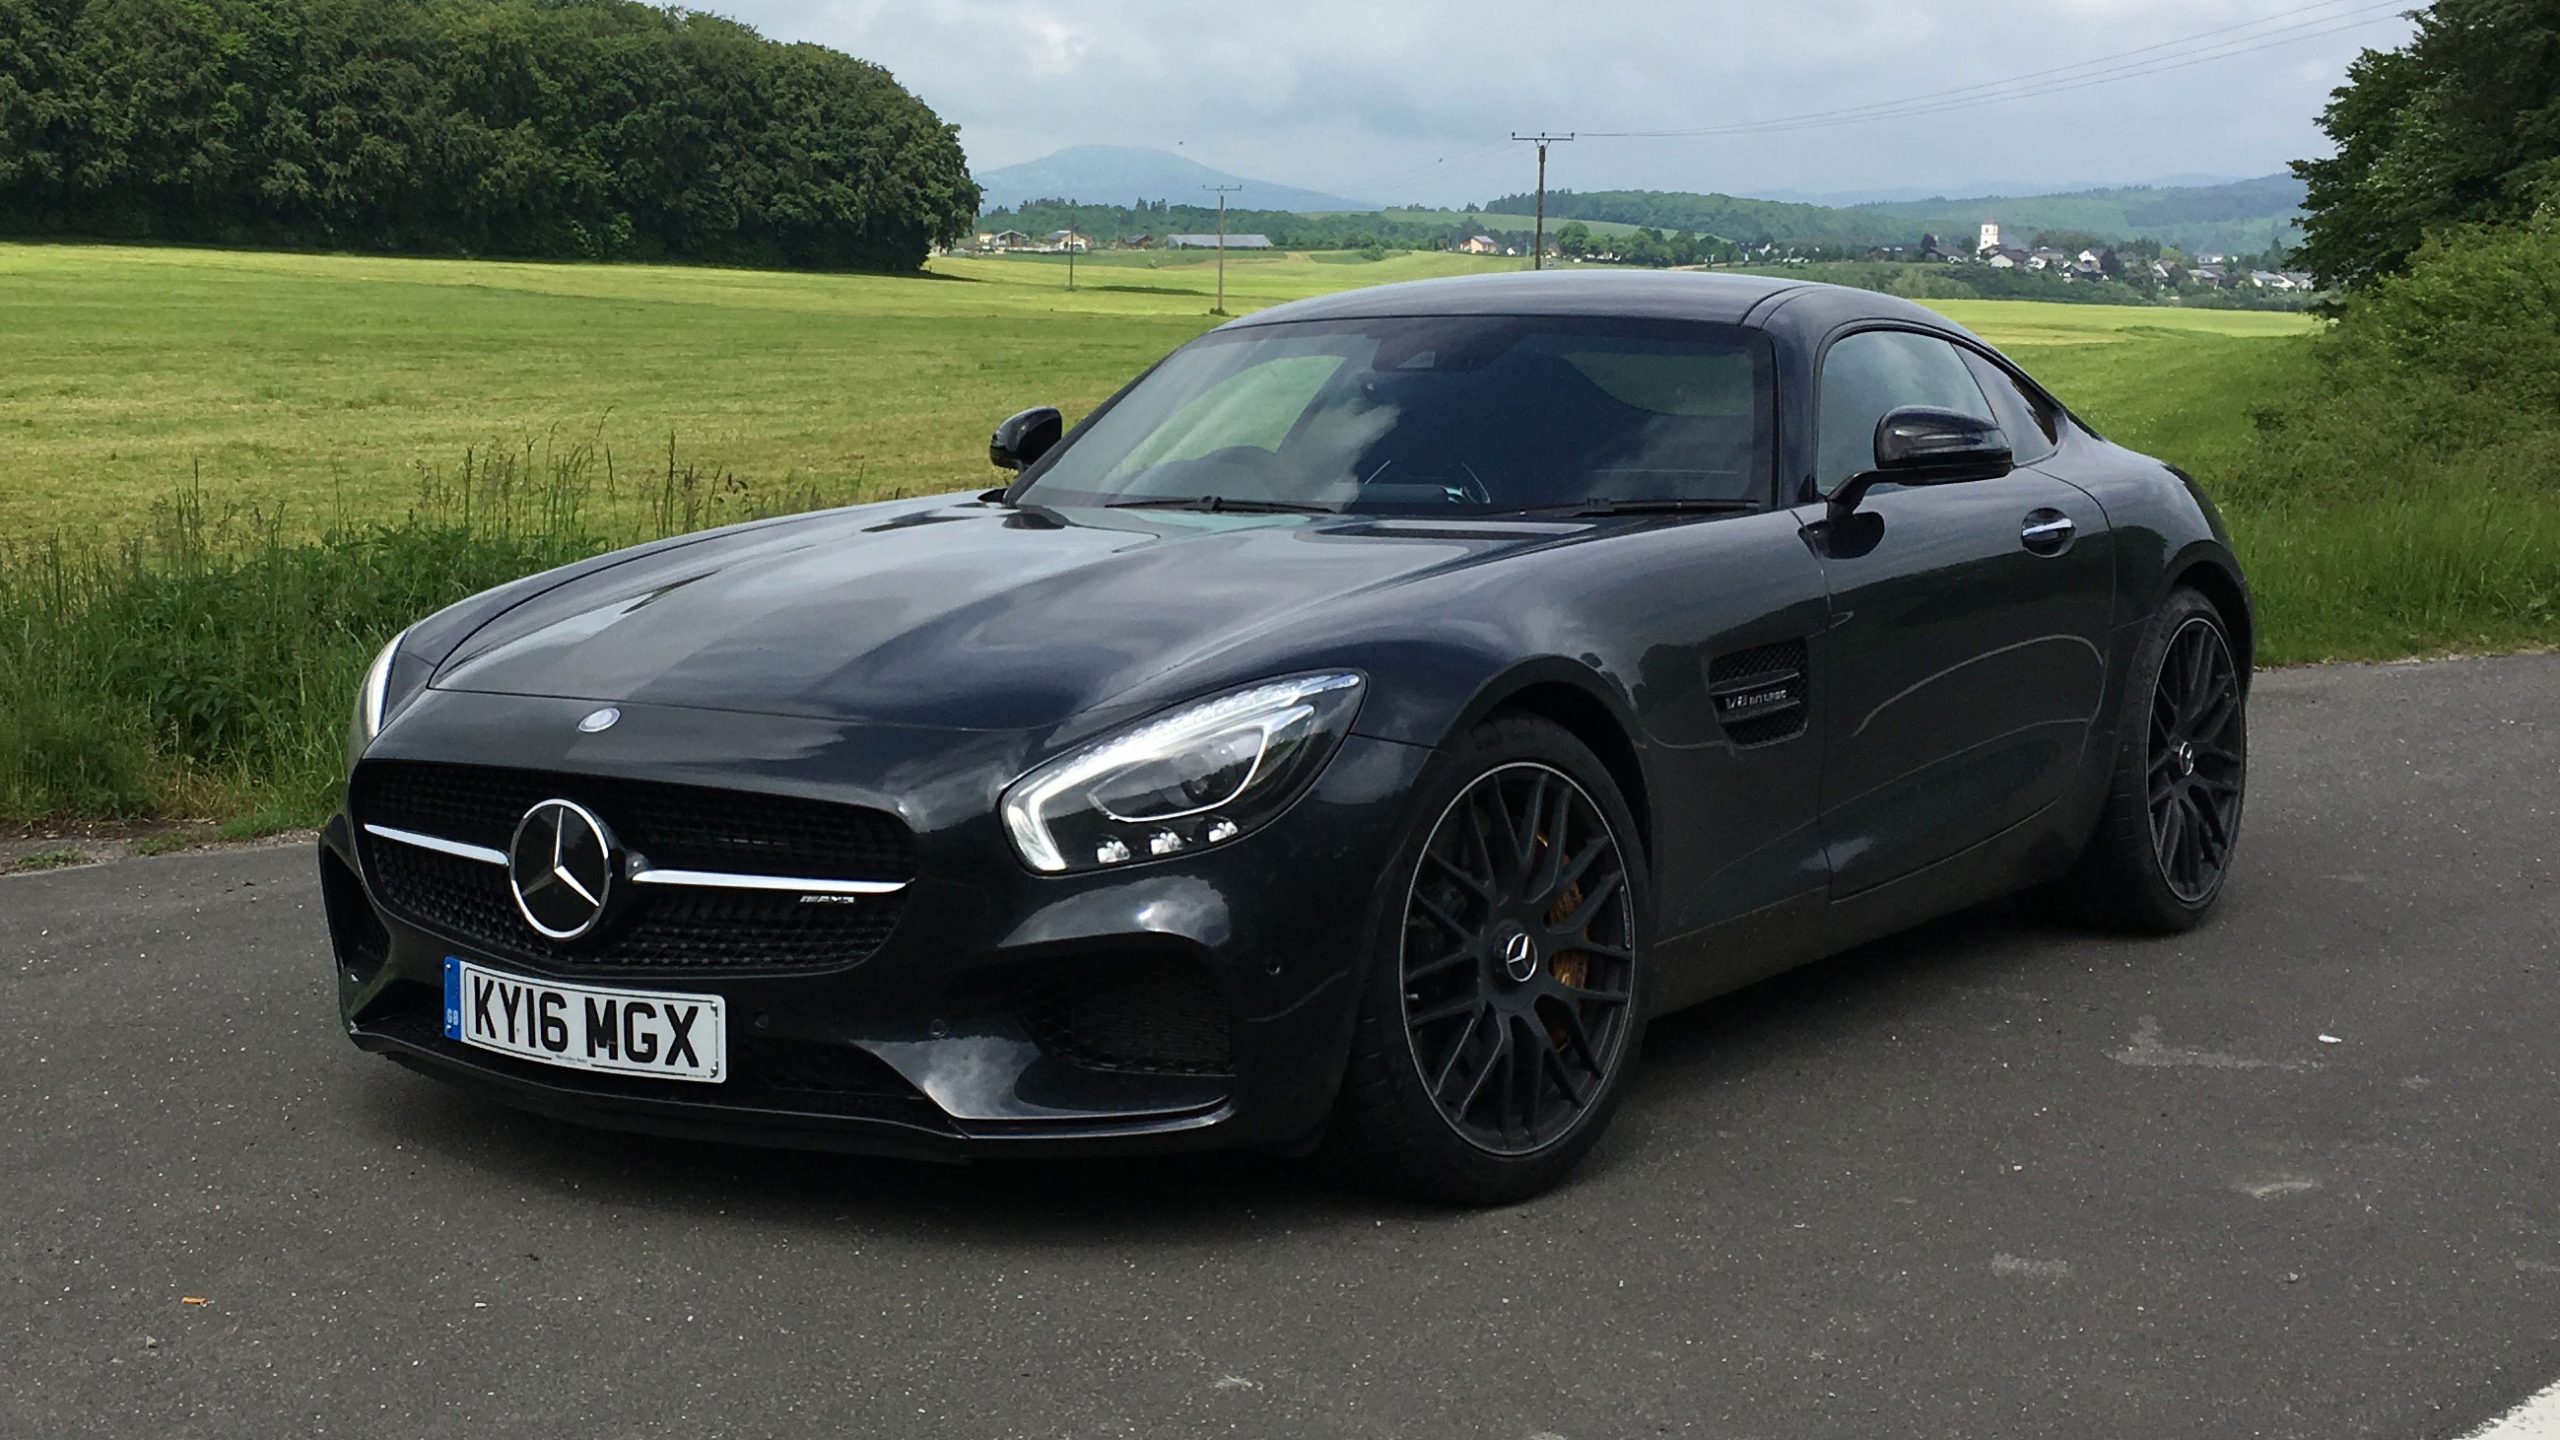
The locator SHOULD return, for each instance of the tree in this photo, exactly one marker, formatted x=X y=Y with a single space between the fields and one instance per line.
x=1573 y=239
x=2462 y=125
x=522 y=127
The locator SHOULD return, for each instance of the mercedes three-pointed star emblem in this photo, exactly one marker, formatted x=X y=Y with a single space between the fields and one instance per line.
x=561 y=866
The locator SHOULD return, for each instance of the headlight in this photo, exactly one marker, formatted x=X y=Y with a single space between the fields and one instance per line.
x=1187 y=780
x=373 y=698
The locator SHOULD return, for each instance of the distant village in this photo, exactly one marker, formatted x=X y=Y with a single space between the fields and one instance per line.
x=2091 y=265
x=2213 y=271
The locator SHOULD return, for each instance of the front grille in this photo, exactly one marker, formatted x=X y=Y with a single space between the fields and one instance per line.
x=1150 y=1013
x=656 y=931
x=794 y=1076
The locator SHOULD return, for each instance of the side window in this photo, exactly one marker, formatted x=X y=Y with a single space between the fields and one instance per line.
x=2034 y=429
x=1876 y=371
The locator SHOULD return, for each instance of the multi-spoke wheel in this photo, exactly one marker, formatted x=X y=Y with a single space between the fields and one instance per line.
x=1519 y=942
x=2192 y=779
x=1505 y=1003
x=2172 y=813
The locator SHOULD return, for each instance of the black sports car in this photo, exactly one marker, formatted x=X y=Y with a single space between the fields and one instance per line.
x=1344 y=739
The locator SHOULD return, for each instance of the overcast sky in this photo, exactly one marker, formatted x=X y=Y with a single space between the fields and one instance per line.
x=1406 y=99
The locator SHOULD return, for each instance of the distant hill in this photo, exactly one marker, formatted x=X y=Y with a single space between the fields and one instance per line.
x=1124 y=174
x=1896 y=194
x=2246 y=215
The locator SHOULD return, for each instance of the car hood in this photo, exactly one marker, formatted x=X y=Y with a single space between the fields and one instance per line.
x=953 y=615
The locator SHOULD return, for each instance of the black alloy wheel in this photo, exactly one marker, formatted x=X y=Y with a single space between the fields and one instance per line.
x=2195 y=770
x=2169 y=819
x=1518 y=959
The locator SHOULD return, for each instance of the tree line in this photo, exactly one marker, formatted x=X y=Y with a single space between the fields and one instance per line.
x=541 y=128
x=2458 y=128
x=1287 y=229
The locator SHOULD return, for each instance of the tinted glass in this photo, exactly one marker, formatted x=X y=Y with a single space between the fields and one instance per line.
x=1877 y=371
x=1435 y=414
x=2032 y=424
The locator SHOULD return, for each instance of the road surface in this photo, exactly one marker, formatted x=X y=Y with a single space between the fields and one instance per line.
x=2293 y=1175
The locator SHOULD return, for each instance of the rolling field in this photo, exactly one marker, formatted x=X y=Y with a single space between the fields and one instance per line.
x=226 y=477
x=334 y=385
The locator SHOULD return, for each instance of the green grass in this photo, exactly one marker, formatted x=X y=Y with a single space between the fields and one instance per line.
x=331 y=383
x=53 y=858
x=231 y=474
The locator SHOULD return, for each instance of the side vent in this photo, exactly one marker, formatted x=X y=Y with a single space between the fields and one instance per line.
x=1759 y=694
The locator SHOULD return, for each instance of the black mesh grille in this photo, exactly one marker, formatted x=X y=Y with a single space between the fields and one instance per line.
x=799 y=1077
x=1153 y=1014
x=1759 y=693
x=656 y=930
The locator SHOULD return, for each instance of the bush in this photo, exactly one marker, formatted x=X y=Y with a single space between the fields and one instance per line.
x=2405 y=496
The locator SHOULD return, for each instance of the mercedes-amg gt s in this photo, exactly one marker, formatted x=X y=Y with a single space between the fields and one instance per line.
x=1345 y=739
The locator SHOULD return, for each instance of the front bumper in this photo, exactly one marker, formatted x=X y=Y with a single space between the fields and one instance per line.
x=948 y=1040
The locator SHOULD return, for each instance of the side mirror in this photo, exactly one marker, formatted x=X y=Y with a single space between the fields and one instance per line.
x=1919 y=445
x=1025 y=437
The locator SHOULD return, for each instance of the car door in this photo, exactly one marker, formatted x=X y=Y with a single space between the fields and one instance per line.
x=1965 y=654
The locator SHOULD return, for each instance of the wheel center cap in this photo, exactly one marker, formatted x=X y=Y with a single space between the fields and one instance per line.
x=1519 y=956
x=2186 y=753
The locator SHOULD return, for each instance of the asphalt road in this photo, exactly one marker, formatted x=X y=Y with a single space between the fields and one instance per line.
x=1987 y=1179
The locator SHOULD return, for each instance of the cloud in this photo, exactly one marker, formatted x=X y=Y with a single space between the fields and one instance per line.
x=1418 y=96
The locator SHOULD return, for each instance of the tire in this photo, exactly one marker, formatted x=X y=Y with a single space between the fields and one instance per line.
x=1502 y=1001
x=2170 y=825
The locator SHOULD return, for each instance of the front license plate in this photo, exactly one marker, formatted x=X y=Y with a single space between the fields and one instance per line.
x=627 y=1032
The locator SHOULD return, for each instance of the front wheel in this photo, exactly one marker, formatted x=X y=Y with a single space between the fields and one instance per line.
x=2171 y=821
x=1504 y=1009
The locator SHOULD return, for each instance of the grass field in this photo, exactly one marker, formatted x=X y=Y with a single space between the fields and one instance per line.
x=331 y=383
x=226 y=476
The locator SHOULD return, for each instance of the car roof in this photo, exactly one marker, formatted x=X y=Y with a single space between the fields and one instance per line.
x=1646 y=294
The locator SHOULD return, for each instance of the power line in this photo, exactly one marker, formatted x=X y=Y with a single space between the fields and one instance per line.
x=2104 y=69
x=2005 y=82
x=2165 y=65
x=1464 y=159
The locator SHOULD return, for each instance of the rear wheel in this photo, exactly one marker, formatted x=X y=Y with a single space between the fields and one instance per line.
x=2165 y=838
x=1504 y=1009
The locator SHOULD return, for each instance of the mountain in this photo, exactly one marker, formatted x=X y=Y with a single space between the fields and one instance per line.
x=1123 y=174
x=2245 y=215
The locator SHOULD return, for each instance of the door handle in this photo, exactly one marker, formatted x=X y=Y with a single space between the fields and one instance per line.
x=2047 y=532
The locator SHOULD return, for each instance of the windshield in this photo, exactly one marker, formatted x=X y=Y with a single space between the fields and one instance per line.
x=1433 y=414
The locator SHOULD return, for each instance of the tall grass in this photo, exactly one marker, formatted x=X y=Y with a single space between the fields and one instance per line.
x=205 y=664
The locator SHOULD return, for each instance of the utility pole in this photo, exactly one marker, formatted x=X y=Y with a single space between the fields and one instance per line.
x=1071 y=246
x=1223 y=192
x=1538 y=248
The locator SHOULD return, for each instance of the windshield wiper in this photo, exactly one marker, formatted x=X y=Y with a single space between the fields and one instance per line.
x=1223 y=505
x=1604 y=505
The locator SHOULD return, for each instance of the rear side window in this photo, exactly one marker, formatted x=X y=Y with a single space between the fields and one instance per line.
x=2034 y=427
x=1869 y=374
